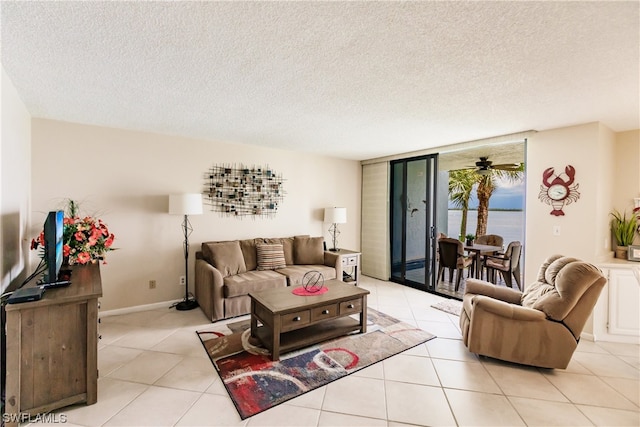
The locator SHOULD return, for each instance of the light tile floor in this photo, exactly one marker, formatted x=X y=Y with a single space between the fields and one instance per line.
x=154 y=372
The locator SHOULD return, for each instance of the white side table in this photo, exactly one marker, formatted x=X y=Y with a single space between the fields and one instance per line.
x=350 y=266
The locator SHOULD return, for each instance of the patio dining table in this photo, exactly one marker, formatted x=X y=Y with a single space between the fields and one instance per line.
x=479 y=249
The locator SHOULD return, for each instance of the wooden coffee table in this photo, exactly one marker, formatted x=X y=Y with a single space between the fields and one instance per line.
x=289 y=322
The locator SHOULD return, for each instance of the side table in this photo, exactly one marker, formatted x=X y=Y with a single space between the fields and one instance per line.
x=350 y=260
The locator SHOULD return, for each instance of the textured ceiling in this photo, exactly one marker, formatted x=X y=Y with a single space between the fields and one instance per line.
x=356 y=80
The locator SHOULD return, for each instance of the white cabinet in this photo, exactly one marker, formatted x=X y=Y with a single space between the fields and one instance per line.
x=624 y=302
x=617 y=314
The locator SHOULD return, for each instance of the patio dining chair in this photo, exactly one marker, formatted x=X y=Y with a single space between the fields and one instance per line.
x=451 y=256
x=486 y=239
x=508 y=264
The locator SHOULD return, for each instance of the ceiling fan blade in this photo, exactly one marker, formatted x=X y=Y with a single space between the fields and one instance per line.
x=507 y=166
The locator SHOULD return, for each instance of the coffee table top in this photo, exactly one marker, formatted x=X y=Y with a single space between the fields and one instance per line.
x=282 y=299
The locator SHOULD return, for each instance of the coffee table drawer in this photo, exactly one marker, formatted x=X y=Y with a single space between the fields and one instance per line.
x=324 y=312
x=351 y=306
x=295 y=320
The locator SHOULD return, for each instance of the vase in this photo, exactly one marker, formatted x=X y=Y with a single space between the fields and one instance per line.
x=621 y=252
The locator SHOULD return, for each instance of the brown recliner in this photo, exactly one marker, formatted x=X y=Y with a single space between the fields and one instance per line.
x=540 y=326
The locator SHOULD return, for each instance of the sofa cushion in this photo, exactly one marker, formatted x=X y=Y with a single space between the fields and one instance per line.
x=252 y=281
x=270 y=256
x=295 y=273
x=287 y=247
x=308 y=250
x=250 y=253
x=225 y=256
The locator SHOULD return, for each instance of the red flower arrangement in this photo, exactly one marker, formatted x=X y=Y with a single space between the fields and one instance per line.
x=85 y=239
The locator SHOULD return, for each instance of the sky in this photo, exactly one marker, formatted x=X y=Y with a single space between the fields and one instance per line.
x=507 y=195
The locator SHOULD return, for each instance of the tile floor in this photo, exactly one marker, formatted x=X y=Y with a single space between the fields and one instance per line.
x=154 y=372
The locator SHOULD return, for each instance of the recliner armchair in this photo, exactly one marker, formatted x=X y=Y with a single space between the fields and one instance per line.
x=540 y=326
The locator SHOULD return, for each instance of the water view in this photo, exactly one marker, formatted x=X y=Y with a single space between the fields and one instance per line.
x=508 y=224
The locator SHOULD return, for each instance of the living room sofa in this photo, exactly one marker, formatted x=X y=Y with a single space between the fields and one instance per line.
x=226 y=271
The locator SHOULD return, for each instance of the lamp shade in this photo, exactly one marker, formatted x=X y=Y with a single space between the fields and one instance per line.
x=335 y=215
x=185 y=204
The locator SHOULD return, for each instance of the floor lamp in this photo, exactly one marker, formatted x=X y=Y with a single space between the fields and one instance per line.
x=335 y=216
x=186 y=204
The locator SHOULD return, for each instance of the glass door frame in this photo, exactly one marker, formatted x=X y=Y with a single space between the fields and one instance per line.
x=431 y=186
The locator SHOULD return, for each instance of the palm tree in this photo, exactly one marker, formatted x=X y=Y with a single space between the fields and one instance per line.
x=486 y=186
x=460 y=186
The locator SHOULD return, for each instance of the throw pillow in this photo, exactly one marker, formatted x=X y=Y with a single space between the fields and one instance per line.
x=287 y=247
x=225 y=256
x=308 y=250
x=270 y=257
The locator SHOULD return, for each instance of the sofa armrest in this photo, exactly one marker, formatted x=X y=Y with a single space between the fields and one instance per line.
x=480 y=287
x=505 y=310
x=333 y=259
x=208 y=290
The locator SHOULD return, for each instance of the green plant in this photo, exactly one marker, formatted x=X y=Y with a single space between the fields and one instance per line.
x=470 y=236
x=624 y=228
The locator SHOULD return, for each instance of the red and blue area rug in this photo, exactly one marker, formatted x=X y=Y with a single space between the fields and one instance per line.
x=256 y=383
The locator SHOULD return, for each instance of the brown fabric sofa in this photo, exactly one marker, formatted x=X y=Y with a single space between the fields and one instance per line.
x=540 y=326
x=226 y=271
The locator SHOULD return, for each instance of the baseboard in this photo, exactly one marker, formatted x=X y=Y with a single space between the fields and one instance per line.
x=137 y=308
x=588 y=337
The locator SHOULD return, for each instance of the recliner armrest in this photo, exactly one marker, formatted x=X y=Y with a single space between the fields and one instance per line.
x=480 y=287
x=505 y=309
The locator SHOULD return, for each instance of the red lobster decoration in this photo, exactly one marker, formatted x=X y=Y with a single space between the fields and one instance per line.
x=558 y=191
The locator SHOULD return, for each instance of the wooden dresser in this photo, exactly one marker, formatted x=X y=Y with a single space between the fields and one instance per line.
x=52 y=347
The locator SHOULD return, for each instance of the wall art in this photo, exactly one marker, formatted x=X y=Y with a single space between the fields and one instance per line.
x=239 y=190
x=559 y=190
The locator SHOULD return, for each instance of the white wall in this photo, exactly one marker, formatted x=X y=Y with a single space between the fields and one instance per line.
x=583 y=227
x=627 y=171
x=125 y=178
x=15 y=178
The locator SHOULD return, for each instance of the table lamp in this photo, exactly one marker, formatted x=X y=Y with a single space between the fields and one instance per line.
x=335 y=216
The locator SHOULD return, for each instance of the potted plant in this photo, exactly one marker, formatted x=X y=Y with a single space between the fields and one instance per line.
x=470 y=238
x=624 y=230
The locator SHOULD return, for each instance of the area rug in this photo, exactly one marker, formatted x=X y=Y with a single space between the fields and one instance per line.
x=256 y=383
x=451 y=306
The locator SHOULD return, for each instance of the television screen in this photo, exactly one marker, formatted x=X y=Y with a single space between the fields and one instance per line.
x=53 y=245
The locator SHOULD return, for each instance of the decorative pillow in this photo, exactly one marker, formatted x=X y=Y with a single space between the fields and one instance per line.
x=225 y=256
x=308 y=250
x=270 y=257
x=287 y=247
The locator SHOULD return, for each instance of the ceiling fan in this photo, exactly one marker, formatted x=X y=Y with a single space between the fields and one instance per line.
x=485 y=165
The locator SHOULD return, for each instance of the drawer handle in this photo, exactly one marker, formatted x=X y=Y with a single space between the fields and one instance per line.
x=350 y=306
x=297 y=319
x=325 y=311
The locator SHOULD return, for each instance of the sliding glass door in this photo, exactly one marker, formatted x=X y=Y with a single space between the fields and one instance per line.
x=413 y=221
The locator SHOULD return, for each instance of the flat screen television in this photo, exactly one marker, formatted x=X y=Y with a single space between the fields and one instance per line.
x=53 y=246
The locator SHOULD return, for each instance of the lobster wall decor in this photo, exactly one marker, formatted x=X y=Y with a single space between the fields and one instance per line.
x=559 y=190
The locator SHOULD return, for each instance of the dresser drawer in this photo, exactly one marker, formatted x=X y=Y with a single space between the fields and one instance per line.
x=324 y=312
x=349 y=260
x=352 y=306
x=296 y=320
